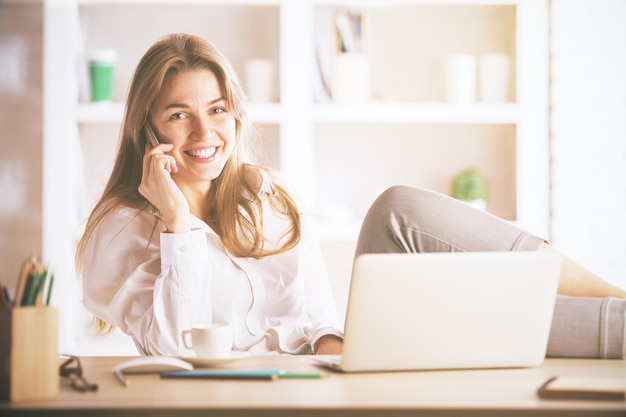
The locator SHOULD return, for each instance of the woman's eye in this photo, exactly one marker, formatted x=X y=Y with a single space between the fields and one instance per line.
x=219 y=110
x=177 y=116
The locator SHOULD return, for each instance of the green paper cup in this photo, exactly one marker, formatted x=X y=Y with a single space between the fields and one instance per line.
x=101 y=72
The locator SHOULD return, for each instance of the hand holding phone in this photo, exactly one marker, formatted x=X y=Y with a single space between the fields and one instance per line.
x=158 y=187
x=154 y=142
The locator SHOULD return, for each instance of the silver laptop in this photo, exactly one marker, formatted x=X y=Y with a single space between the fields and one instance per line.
x=448 y=311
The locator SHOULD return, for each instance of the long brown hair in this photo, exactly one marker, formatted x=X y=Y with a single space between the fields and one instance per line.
x=237 y=211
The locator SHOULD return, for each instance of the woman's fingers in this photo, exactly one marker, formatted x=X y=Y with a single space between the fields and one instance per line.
x=158 y=187
x=158 y=155
x=160 y=148
x=163 y=161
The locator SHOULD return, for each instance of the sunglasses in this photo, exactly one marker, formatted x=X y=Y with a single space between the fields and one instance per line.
x=73 y=370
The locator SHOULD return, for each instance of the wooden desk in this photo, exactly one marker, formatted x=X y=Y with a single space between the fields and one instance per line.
x=506 y=392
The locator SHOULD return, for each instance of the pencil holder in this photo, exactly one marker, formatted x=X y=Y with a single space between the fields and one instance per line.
x=29 y=368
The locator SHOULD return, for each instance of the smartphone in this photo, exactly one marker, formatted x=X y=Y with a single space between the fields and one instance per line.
x=583 y=388
x=152 y=139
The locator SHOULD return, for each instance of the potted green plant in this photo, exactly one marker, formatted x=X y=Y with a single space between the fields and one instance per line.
x=471 y=187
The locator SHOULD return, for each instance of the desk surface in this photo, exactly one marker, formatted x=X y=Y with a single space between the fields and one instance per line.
x=510 y=392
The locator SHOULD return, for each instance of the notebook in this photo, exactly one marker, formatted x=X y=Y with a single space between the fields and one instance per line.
x=448 y=311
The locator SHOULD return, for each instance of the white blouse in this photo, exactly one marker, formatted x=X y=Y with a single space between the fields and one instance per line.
x=153 y=285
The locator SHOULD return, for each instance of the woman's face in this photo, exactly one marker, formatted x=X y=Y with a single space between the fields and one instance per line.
x=192 y=114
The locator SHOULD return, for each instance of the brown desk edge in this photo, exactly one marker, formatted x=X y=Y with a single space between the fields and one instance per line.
x=499 y=392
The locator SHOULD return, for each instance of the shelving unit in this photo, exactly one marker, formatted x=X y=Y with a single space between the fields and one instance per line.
x=338 y=156
x=406 y=86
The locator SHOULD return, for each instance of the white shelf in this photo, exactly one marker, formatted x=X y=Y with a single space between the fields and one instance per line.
x=396 y=3
x=506 y=113
x=416 y=113
x=102 y=112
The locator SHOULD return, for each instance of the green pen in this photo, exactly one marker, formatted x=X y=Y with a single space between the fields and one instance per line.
x=298 y=375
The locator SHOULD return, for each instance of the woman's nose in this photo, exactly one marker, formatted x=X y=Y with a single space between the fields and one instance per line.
x=203 y=129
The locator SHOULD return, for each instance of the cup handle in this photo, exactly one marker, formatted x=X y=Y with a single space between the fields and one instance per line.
x=185 y=337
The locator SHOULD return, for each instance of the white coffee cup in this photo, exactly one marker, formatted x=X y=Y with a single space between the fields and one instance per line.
x=209 y=341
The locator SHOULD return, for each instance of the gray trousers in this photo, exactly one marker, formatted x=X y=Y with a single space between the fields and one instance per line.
x=406 y=219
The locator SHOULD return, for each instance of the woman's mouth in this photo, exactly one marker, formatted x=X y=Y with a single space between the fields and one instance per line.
x=203 y=153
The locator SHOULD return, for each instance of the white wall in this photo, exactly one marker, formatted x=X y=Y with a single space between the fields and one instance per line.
x=588 y=131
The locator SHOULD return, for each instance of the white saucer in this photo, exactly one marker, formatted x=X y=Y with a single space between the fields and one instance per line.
x=208 y=362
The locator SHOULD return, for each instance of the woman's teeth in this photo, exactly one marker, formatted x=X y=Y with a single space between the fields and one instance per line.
x=202 y=153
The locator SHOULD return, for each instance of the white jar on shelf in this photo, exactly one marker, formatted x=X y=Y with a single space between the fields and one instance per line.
x=493 y=77
x=460 y=76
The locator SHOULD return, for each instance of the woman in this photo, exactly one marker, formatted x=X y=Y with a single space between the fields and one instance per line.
x=189 y=230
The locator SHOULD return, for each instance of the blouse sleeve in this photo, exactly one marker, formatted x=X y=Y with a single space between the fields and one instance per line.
x=150 y=284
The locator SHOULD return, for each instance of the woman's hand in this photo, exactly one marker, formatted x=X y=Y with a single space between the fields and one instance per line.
x=329 y=345
x=158 y=187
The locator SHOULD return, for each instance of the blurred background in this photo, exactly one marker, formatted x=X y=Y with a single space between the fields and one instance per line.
x=350 y=97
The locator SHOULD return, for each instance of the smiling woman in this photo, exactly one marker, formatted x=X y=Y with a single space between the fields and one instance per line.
x=193 y=224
